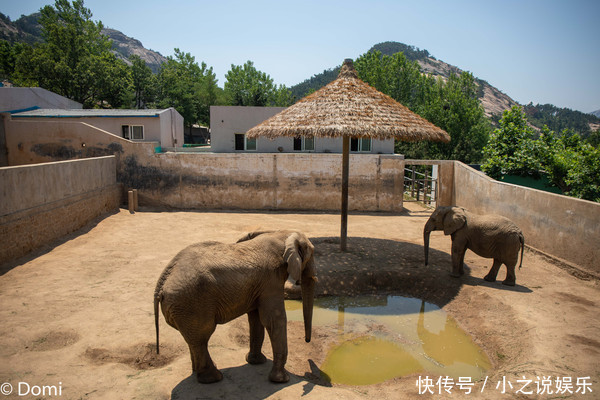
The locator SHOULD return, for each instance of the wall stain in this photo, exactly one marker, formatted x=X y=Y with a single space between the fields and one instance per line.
x=58 y=151
x=132 y=174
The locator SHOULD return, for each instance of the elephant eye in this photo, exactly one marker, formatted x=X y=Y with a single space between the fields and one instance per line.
x=301 y=252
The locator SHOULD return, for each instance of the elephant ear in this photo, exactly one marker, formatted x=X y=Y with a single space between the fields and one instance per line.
x=454 y=220
x=292 y=256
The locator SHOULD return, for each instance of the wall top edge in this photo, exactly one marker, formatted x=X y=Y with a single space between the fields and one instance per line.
x=73 y=161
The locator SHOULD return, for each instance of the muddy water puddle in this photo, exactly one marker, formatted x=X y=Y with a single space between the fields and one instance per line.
x=383 y=337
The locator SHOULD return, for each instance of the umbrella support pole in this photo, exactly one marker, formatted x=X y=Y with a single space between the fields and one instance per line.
x=345 y=169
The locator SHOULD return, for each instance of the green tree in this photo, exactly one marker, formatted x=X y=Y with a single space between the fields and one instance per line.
x=584 y=178
x=594 y=138
x=7 y=60
x=17 y=64
x=113 y=85
x=512 y=148
x=74 y=58
x=571 y=163
x=247 y=86
x=452 y=105
x=188 y=87
x=143 y=82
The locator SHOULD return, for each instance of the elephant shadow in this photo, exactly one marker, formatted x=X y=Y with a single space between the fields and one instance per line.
x=246 y=381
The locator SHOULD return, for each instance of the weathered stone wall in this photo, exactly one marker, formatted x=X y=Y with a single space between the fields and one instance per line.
x=43 y=202
x=562 y=226
x=264 y=181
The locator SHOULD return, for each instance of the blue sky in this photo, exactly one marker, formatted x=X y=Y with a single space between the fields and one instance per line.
x=532 y=50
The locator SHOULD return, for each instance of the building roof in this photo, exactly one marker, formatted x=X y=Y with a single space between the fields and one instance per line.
x=88 y=113
x=17 y=99
x=349 y=107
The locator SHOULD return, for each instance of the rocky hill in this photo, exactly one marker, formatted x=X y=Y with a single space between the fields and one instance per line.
x=26 y=29
x=125 y=46
x=493 y=100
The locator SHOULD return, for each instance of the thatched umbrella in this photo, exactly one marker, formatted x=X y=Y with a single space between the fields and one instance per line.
x=350 y=108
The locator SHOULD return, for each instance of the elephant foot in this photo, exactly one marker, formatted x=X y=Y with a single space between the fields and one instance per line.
x=255 y=358
x=210 y=376
x=508 y=282
x=455 y=274
x=279 y=376
x=489 y=278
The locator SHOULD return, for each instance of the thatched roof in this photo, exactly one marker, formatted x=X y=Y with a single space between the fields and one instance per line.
x=349 y=107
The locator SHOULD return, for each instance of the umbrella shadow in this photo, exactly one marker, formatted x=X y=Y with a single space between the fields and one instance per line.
x=373 y=265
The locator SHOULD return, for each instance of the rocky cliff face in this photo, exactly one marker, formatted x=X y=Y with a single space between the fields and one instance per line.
x=125 y=46
x=494 y=102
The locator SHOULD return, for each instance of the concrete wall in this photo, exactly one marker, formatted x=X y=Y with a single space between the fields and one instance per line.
x=209 y=180
x=226 y=121
x=18 y=98
x=562 y=226
x=171 y=128
x=43 y=202
x=262 y=181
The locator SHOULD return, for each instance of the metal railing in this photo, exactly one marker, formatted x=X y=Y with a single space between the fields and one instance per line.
x=420 y=186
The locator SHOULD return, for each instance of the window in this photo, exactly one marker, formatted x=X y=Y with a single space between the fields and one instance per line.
x=243 y=143
x=133 y=132
x=304 y=143
x=360 y=144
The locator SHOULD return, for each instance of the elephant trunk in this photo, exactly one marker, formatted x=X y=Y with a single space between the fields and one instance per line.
x=426 y=234
x=308 y=293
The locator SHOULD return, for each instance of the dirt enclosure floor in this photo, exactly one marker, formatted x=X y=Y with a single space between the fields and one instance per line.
x=77 y=316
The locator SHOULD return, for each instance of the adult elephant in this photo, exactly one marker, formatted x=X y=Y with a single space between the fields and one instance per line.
x=212 y=283
x=490 y=236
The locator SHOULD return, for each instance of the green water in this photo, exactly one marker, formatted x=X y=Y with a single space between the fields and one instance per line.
x=383 y=337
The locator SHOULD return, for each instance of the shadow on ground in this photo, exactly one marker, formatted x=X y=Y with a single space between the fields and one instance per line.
x=235 y=381
x=393 y=267
x=384 y=266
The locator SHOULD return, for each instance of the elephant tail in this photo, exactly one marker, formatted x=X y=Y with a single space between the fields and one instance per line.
x=522 y=240
x=156 y=302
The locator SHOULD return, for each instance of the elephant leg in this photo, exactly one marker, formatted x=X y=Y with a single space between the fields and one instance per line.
x=197 y=336
x=510 y=279
x=273 y=318
x=257 y=336
x=461 y=263
x=458 y=258
x=491 y=276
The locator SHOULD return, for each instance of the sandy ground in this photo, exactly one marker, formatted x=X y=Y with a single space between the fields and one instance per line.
x=78 y=315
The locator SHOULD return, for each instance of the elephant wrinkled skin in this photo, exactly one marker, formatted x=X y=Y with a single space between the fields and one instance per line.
x=212 y=283
x=489 y=236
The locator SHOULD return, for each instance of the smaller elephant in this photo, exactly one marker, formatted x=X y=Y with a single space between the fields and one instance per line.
x=212 y=283
x=489 y=236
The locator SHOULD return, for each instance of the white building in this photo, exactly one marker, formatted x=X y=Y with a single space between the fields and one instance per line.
x=164 y=126
x=229 y=124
